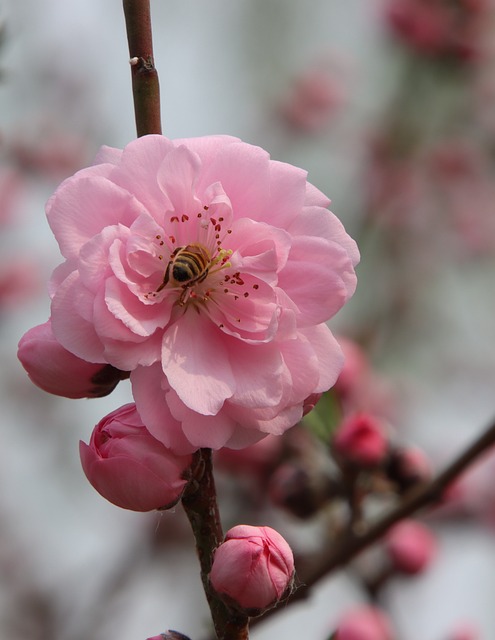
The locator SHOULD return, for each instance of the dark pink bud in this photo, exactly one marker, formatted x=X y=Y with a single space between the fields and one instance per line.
x=361 y=440
x=55 y=370
x=408 y=467
x=364 y=623
x=411 y=546
x=310 y=402
x=253 y=568
x=131 y=468
x=299 y=491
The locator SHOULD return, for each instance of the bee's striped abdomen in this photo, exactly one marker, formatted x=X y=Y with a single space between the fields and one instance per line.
x=190 y=264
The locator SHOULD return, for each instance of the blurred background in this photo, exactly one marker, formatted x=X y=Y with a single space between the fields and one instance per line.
x=390 y=106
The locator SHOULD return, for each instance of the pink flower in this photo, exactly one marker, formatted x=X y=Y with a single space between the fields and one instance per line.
x=57 y=371
x=253 y=568
x=411 y=546
x=361 y=440
x=364 y=623
x=209 y=271
x=129 y=467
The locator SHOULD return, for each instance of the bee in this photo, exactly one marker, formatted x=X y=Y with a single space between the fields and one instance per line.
x=188 y=266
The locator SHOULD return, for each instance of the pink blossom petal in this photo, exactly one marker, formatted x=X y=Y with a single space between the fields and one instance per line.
x=93 y=263
x=141 y=319
x=196 y=363
x=128 y=355
x=201 y=430
x=82 y=207
x=329 y=354
x=313 y=278
x=177 y=176
x=255 y=386
x=150 y=390
x=248 y=311
x=71 y=320
x=287 y=194
x=244 y=173
x=107 y=154
x=208 y=148
x=264 y=248
x=138 y=171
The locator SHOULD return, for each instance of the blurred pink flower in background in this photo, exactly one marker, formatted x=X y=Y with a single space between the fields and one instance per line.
x=11 y=189
x=440 y=27
x=411 y=546
x=359 y=387
x=364 y=623
x=253 y=567
x=129 y=467
x=463 y=182
x=209 y=271
x=465 y=631
x=57 y=371
x=361 y=439
x=315 y=97
x=51 y=153
x=19 y=281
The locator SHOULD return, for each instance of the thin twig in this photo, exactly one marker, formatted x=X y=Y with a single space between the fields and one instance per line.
x=145 y=85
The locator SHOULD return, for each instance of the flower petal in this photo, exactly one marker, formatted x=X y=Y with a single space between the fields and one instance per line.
x=196 y=363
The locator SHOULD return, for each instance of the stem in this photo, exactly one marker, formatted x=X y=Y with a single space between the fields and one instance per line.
x=145 y=86
x=200 y=505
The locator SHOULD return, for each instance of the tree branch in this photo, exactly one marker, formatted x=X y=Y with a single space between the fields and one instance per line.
x=145 y=85
x=351 y=544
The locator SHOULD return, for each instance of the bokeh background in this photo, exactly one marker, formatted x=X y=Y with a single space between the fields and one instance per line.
x=393 y=116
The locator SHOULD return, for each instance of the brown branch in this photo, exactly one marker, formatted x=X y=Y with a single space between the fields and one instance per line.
x=145 y=86
x=200 y=505
x=349 y=546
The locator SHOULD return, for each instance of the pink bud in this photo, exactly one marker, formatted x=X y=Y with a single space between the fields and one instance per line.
x=411 y=546
x=253 y=568
x=361 y=440
x=364 y=623
x=129 y=467
x=55 y=370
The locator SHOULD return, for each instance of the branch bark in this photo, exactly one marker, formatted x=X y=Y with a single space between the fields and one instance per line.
x=145 y=85
x=200 y=505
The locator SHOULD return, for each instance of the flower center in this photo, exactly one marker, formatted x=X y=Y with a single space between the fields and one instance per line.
x=190 y=265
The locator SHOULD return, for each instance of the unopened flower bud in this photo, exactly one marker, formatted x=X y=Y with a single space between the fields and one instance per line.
x=253 y=568
x=411 y=546
x=131 y=468
x=295 y=489
x=364 y=623
x=361 y=440
x=408 y=467
x=55 y=370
